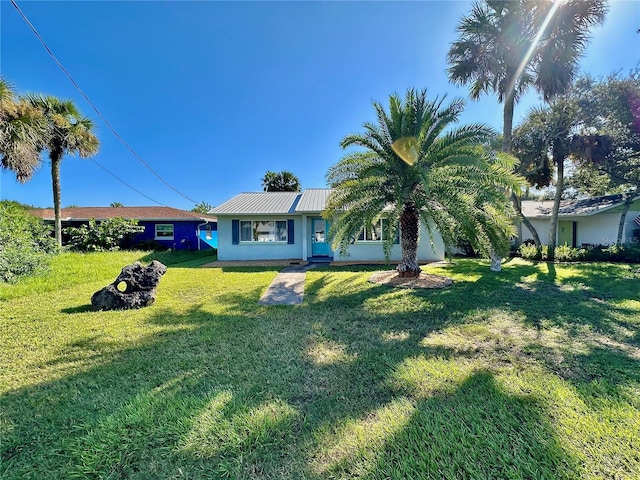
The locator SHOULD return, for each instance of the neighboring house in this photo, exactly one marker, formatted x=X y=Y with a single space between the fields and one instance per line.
x=584 y=223
x=170 y=227
x=289 y=225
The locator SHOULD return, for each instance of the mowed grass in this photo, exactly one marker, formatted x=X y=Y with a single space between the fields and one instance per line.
x=533 y=373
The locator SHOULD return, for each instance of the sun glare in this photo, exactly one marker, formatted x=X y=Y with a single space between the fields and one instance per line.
x=536 y=40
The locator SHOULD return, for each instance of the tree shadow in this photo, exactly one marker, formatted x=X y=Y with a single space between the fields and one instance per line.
x=476 y=430
x=225 y=388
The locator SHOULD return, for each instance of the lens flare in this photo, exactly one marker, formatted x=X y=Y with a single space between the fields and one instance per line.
x=407 y=149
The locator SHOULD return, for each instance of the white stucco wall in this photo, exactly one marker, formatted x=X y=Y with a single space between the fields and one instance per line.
x=257 y=250
x=599 y=229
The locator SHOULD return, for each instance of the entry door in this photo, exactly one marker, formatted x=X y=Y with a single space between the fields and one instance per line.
x=567 y=233
x=319 y=241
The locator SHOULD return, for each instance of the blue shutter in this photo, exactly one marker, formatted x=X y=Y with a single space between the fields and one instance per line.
x=290 y=235
x=235 y=232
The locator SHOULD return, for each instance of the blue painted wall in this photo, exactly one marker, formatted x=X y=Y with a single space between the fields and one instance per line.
x=184 y=235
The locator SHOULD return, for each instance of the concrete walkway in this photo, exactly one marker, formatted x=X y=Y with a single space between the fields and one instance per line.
x=288 y=286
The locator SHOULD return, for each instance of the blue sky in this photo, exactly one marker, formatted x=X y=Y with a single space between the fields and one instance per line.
x=213 y=94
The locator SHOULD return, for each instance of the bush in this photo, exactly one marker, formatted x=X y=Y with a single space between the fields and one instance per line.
x=148 y=245
x=104 y=236
x=530 y=251
x=565 y=253
x=629 y=253
x=25 y=242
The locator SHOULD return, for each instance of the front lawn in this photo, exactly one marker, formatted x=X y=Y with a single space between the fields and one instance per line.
x=533 y=373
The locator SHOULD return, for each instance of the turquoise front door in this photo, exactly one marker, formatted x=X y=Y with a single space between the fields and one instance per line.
x=319 y=245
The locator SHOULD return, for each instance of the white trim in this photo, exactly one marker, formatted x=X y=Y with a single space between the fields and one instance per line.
x=164 y=237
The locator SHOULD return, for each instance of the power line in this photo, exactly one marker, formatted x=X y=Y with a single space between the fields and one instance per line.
x=125 y=183
x=88 y=100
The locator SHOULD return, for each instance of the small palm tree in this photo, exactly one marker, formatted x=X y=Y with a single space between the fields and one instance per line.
x=67 y=133
x=448 y=182
x=22 y=129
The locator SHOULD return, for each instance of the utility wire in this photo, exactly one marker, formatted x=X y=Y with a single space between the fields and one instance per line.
x=125 y=183
x=117 y=135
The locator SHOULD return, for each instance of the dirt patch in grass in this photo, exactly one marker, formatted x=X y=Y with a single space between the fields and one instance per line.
x=424 y=280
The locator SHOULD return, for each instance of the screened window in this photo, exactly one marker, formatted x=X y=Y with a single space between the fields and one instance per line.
x=164 y=231
x=263 y=230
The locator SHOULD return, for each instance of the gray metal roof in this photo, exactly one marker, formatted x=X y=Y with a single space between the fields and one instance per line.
x=571 y=208
x=313 y=200
x=264 y=203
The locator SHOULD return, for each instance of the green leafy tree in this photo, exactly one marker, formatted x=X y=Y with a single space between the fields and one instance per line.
x=282 y=181
x=22 y=129
x=449 y=182
x=25 y=242
x=505 y=47
x=102 y=236
x=554 y=130
x=610 y=107
x=202 y=207
x=116 y=204
x=68 y=133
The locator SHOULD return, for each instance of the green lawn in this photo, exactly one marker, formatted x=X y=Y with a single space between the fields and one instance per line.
x=533 y=373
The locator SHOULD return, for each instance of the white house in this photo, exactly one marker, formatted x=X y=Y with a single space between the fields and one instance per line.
x=289 y=225
x=587 y=222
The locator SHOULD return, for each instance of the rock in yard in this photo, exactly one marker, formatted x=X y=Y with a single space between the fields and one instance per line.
x=135 y=287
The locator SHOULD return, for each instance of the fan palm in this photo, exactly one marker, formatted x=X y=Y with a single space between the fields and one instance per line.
x=449 y=183
x=506 y=46
x=68 y=133
x=22 y=130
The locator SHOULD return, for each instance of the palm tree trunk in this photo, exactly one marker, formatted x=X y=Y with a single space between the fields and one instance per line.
x=517 y=204
x=507 y=127
x=409 y=232
x=553 y=227
x=628 y=200
x=507 y=121
x=55 y=182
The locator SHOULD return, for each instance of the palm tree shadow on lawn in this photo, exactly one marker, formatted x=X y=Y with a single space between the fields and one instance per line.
x=268 y=391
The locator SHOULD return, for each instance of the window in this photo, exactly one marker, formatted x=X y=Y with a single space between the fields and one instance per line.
x=373 y=232
x=208 y=235
x=164 y=231
x=263 y=230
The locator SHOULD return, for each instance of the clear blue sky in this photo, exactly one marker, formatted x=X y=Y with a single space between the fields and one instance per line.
x=213 y=94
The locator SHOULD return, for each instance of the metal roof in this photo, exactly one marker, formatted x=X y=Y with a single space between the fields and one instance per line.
x=264 y=203
x=571 y=208
x=136 y=213
x=313 y=200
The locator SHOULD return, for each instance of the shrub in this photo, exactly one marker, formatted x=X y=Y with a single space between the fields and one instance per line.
x=530 y=251
x=628 y=253
x=148 y=245
x=565 y=253
x=25 y=242
x=106 y=235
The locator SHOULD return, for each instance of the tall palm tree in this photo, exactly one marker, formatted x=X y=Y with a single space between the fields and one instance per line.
x=68 y=133
x=506 y=46
x=448 y=182
x=22 y=129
